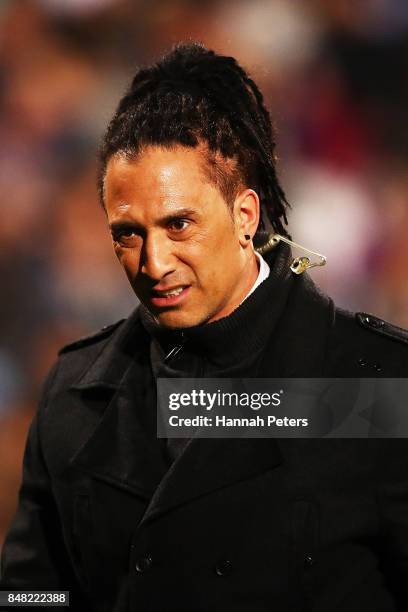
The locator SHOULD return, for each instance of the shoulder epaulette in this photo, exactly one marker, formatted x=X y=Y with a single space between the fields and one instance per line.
x=106 y=331
x=382 y=327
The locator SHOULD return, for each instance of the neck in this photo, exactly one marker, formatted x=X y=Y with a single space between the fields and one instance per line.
x=252 y=267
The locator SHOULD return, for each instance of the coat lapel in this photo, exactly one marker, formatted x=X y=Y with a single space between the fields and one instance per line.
x=207 y=465
x=121 y=447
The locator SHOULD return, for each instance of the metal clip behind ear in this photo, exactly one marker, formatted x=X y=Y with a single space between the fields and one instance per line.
x=299 y=264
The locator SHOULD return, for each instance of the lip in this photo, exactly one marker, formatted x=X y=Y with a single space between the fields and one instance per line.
x=173 y=300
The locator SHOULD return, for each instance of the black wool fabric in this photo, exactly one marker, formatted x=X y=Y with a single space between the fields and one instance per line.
x=229 y=347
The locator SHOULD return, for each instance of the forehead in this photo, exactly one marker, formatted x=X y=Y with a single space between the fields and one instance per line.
x=157 y=175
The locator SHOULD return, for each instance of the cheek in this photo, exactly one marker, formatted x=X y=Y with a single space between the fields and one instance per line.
x=210 y=275
x=129 y=260
x=213 y=261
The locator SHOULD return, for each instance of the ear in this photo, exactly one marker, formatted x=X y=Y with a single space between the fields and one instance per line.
x=246 y=215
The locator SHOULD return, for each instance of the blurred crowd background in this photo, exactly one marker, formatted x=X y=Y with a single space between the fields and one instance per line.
x=334 y=75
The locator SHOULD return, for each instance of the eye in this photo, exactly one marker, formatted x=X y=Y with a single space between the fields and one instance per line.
x=178 y=225
x=126 y=237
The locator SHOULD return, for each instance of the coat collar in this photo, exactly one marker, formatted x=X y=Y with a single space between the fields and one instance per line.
x=298 y=348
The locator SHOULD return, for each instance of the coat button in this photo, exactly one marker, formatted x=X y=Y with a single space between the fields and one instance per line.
x=223 y=568
x=143 y=564
x=309 y=560
x=374 y=322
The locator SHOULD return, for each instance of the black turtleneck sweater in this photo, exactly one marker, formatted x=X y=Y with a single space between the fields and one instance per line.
x=229 y=347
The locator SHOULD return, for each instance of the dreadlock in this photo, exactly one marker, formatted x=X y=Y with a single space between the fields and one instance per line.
x=194 y=97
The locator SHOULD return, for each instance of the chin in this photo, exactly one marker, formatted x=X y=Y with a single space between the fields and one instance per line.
x=177 y=320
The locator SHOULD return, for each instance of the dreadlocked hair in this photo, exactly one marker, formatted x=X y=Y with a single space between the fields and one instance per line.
x=196 y=98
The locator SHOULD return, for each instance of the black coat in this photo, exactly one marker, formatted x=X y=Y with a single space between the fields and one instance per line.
x=240 y=525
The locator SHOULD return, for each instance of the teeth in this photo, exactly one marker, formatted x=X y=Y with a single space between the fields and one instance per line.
x=172 y=293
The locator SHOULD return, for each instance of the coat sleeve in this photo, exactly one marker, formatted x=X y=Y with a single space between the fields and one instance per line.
x=393 y=504
x=34 y=555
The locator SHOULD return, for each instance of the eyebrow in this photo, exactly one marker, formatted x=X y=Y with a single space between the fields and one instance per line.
x=177 y=214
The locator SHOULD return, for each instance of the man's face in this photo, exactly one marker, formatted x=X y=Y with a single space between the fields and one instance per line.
x=175 y=237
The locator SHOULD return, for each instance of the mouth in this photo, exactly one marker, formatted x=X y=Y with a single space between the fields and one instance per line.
x=169 y=297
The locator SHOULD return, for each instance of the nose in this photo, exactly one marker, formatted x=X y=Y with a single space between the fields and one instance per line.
x=157 y=259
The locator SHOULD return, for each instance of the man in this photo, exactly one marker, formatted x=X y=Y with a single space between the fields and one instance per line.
x=125 y=521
